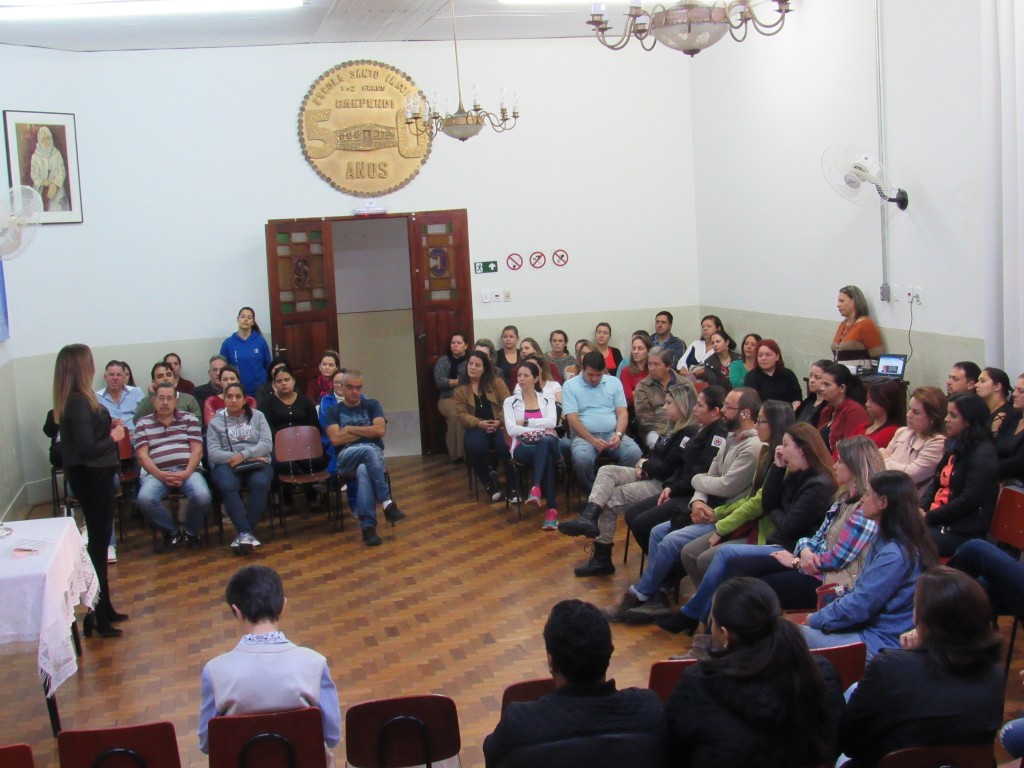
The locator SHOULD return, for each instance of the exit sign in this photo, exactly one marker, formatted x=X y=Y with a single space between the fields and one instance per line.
x=485 y=267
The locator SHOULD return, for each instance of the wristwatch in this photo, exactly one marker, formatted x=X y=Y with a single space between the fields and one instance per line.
x=618 y=435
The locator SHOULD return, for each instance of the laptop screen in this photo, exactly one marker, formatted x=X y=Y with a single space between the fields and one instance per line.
x=892 y=366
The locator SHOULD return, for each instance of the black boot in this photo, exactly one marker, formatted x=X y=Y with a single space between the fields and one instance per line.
x=600 y=563
x=585 y=523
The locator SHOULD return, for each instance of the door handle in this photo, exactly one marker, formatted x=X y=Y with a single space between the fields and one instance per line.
x=421 y=337
x=278 y=350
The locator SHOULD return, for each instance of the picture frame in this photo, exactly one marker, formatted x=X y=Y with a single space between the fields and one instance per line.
x=52 y=171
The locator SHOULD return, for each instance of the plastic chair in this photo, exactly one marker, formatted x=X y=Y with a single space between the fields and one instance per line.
x=269 y=740
x=665 y=675
x=295 y=445
x=947 y=756
x=152 y=745
x=17 y=756
x=849 y=661
x=1008 y=528
x=527 y=690
x=409 y=730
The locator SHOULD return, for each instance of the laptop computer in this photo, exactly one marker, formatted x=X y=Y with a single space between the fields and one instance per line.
x=891 y=366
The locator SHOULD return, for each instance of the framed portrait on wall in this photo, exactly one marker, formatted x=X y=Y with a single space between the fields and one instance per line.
x=42 y=153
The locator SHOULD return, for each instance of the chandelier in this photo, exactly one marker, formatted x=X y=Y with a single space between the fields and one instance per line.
x=689 y=26
x=423 y=115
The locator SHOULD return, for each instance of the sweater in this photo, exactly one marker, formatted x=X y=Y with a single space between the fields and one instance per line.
x=85 y=435
x=250 y=356
x=732 y=472
x=973 y=488
x=227 y=435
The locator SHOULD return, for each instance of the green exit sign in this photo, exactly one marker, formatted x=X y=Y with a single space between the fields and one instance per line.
x=485 y=267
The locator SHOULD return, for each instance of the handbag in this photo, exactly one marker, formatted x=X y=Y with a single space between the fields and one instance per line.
x=246 y=465
x=532 y=437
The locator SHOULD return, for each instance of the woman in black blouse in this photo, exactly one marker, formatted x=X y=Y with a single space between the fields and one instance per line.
x=287 y=407
x=89 y=440
x=772 y=380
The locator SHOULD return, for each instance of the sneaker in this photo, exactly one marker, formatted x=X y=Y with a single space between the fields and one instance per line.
x=253 y=541
x=237 y=542
x=370 y=537
x=550 y=521
x=493 y=492
x=513 y=498
x=655 y=608
x=111 y=554
x=534 y=497
x=393 y=513
x=191 y=540
x=245 y=543
x=617 y=612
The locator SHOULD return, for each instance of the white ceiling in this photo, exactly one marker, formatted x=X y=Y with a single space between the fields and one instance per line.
x=318 y=21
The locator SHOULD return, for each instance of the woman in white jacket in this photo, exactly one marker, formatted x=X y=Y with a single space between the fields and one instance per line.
x=530 y=421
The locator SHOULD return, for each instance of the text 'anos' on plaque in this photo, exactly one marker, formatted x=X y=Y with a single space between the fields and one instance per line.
x=352 y=129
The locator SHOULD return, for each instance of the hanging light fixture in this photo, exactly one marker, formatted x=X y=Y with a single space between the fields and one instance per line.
x=424 y=116
x=689 y=26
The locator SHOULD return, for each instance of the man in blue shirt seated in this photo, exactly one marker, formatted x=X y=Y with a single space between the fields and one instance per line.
x=585 y=705
x=265 y=672
x=355 y=427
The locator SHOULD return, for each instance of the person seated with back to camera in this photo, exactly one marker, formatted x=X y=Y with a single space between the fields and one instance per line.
x=618 y=487
x=945 y=686
x=265 y=672
x=649 y=397
x=356 y=427
x=958 y=503
x=585 y=703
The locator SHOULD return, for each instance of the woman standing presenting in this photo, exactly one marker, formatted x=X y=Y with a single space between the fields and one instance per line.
x=89 y=441
x=248 y=351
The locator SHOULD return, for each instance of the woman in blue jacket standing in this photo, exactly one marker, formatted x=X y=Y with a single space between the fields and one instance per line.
x=248 y=351
x=880 y=606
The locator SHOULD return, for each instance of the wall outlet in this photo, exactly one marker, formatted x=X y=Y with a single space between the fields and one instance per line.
x=916 y=293
x=897 y=297
x=508 y=295
x=496 y=296
x=486 y=298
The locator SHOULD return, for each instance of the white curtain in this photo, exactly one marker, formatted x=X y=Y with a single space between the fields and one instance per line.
x=1010 y=32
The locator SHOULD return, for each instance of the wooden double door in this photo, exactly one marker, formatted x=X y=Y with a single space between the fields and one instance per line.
x=304 y=308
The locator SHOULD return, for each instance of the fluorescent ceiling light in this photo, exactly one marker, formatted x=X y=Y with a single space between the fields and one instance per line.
x=52 y=10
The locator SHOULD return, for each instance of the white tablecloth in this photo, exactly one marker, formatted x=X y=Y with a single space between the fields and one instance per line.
x=39 y=592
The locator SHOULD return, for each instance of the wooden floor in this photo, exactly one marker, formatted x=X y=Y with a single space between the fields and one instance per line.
x=453 y=602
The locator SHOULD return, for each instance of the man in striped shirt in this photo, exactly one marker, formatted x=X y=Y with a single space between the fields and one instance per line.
x=169 y=447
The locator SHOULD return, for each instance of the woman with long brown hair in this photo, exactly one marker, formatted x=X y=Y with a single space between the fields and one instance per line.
x=89 y=439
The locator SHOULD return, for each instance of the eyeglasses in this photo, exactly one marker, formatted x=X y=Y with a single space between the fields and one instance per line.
x=728 y=407
x=761 y=421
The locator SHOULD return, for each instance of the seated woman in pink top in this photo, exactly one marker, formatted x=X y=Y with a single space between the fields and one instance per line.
x=228 y=375
x=918 y=447
x=885 y=409
x=842 y=415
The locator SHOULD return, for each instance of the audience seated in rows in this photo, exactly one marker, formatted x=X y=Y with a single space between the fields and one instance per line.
x=602 y=343
x=559 y=355
x=884 y=406
x=811 y=406
x=212 y=387
x=662 y=337
x=633 y=370
x=182 y=384
x=163 y=373
x=215 y=402
x=918 y=447
x=843 y=415
x=717 y=366
x=747 y=361
x=693 y=356
x=323 y=383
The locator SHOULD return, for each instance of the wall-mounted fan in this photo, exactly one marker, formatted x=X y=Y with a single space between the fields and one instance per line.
x=853 y=174
x=20 y=211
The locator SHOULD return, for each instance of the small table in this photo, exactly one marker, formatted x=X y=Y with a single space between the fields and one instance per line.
x=40 y=590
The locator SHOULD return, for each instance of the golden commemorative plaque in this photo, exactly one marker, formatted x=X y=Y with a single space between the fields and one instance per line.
x=352 y=129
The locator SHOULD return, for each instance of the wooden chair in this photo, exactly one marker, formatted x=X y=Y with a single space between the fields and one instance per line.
x=849 y=661
x=152 y=745
x=409 y=730
x=269 y=740
x=294 y=445
x=527 y=690
x=948 y=756
x=1008 y=528
x=665 y=675
x=17 y=756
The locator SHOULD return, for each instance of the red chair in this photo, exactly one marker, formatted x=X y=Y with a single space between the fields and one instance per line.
x=129 y=476
x=292 y=447
x=528 y=690
x=948 y=756
x=1008 y=528
x=268 y=740
x=17 y=756
x=153 y=745
x=410 y=730
x=849 y=661
x=665 y=675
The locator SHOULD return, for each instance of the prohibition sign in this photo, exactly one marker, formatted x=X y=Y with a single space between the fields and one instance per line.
x=537 y=259
x=559 y=258
x=514 y=261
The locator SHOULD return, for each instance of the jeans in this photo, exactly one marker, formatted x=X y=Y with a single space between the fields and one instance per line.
x=665 y=546
x=699 y=606
x=152 y=492
x=366 y=460
x=257 y=481
x=1000 y=574
x=584 y=455
x=477 y=445
x=647 y=514
x=542 y=456
x=817 y=639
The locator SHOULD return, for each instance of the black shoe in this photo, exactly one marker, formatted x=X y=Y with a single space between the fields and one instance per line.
x=678 y=622
x=492 y=492
x=89 y=624
x=585 y=523
x=168 y=542
x=114 y=617
x=600 y=563
x=393 y=514
x=191 y=540
x=370 y=537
